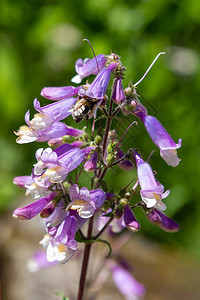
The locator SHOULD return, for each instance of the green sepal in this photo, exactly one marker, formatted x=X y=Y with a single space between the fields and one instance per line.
x=79 y=238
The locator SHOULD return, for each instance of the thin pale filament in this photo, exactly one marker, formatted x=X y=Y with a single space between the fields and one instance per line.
x=151 y=65
x=93 y=53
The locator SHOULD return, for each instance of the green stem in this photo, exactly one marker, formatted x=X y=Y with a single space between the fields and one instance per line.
x=108 y=123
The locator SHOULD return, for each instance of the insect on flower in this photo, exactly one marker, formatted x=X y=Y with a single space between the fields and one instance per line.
x=84 y=107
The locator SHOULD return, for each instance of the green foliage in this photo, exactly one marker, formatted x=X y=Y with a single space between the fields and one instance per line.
x=40 y=42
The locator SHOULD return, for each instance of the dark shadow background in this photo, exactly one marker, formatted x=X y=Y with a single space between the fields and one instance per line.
x=39 y=44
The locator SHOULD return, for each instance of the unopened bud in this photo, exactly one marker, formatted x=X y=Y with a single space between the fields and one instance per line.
x=157 y=217
x=98 y=139
x=110 y=159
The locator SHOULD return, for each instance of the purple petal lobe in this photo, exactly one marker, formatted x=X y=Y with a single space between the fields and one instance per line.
x=59 y=93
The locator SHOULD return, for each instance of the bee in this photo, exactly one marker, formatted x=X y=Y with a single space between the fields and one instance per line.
x=85 y=107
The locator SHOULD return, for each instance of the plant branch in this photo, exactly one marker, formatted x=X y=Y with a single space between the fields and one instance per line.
x=103 y=229
x=85 y=261
x=108 y=123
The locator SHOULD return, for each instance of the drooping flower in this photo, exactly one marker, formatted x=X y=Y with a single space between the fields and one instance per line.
x=159 y=136
x=160 y=219
x=33 y=209
x=85 y=202
x=162 y=140
x=88 y=67
x=152 y=192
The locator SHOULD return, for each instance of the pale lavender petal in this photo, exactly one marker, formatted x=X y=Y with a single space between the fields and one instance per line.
x=58 y=129
x=59 y=93
x=72 y=159
x=22 y=181
x=57 y=110
x=162 y=140
x=145 y=175
x=99 y=86
x=89 y=66
x=98 y=196
x=85 y=194
x=66 y=230
x=74 y=192
x=27 y=117
x=57 y=216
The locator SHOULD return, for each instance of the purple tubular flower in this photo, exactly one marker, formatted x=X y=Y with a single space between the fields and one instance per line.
x=159 y=218
x=61 y=246
x=162 y=140
x=152 y=192
x=50 y=113
x=85 y=202
x=130 y=220
x=31 y=210
x=58 y=129
x=118 y=95
x=159 y=136
x=99 y=86
x=91 y=163
x=59 y=163
x=126 y=283
x=125 y=165
x=88 y=66
x=59 y=93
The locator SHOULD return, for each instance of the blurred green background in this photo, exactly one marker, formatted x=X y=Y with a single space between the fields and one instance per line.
x=39 y=44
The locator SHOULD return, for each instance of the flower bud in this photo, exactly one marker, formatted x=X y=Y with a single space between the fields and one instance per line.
x=98 y=139
x=159 y=218
x=117 y=92
x=91 y=163
x=130 y=220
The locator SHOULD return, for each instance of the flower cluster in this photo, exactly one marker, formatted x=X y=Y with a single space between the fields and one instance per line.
x=64 y=205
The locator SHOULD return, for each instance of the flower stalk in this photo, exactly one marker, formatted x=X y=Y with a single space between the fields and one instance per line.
x=58 y=196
